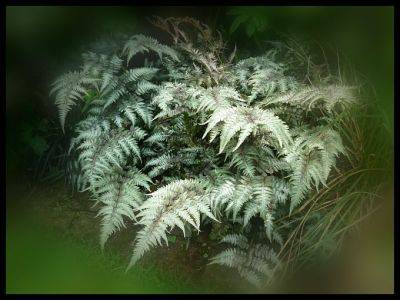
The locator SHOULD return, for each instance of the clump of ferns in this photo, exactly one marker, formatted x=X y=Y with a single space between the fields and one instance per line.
x=197 y=136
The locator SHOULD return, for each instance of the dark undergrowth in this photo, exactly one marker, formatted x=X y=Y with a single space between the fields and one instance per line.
x=52 y=247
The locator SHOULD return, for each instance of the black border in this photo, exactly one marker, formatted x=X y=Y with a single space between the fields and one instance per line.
x=212 y=3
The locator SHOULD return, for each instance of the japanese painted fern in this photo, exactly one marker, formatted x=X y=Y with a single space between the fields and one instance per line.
x=195 y=134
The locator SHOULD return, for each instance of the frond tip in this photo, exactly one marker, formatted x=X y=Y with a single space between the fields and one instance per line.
x=70 y=88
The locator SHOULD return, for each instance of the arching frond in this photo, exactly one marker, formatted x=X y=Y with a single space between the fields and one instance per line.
x=141 y=43
x=68 y=89
x=173 y=205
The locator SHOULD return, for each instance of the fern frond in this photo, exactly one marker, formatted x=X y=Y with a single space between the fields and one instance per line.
x=309 y=97
x=120 y=196
x=247 y=121
x=173 y=205
x=68 y=89
x=141 y=43
x=252 y=261
x=311 y=157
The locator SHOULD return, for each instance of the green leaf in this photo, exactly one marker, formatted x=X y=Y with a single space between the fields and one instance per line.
x=236 y=23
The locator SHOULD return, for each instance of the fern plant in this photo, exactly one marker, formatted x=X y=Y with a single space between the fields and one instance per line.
x=252 y=260
x=196 y=135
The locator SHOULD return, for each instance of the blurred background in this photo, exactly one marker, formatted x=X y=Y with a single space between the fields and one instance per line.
x=51 y=234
